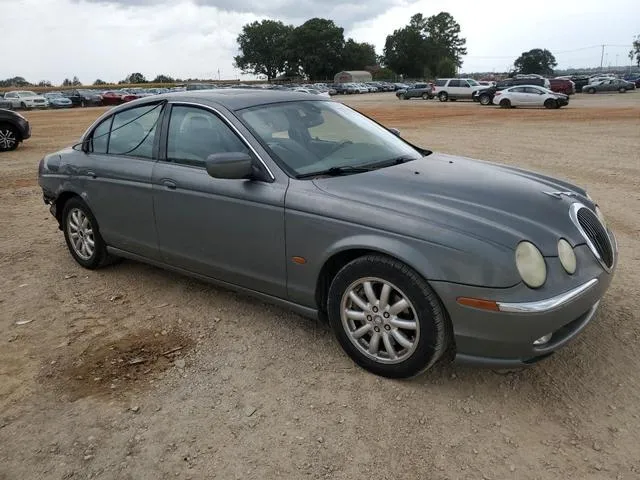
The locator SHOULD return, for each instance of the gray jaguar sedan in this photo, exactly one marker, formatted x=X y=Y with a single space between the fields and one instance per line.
x=302 y=201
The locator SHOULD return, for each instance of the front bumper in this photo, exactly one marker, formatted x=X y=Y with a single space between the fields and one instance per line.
x=564 y=306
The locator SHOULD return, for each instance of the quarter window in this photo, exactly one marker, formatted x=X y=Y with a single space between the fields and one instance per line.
x=195 y=133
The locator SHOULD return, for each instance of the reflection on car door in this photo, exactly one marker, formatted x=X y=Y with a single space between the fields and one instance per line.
x=117 y=171
x=230 y=230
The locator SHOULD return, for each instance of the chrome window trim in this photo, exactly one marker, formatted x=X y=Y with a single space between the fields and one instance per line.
x=549 y=304
x=230 y=125
x=573 y=214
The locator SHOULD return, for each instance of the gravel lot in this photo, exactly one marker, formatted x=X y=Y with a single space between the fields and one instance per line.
x=131 y=372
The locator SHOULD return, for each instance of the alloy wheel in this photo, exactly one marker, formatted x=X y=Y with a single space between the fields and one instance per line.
x=81 y=234
x=380 y=320
x=8 y=139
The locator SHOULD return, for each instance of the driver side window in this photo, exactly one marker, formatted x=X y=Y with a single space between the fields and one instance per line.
x=195 y=133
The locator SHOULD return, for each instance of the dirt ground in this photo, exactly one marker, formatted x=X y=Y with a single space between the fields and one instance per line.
x=132 y=372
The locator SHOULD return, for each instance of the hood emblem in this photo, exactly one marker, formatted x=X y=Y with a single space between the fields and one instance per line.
x=559 y=194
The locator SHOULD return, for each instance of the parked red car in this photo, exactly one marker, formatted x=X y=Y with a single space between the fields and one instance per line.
x=562 y=85
x=116 y=98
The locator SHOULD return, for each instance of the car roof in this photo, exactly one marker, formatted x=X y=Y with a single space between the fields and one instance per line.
x=230 y=98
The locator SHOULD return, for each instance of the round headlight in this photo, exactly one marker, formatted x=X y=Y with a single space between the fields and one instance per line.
x=567 y=256
x=601 y=216
x=530 y=264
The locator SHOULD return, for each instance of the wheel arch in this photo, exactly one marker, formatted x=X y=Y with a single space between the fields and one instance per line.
x=349 y=249
x=16 y=128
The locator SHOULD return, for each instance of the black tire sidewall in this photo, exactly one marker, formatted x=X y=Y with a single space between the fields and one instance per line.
x=100 y=252
x=485 y=97
x=443 y=97
x=506 y=103
x=431 y=316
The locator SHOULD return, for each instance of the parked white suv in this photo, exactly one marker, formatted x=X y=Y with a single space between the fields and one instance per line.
x=26 y=99
x=456 y=88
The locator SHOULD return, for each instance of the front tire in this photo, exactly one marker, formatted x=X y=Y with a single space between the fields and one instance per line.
x=485 y=99
x=622 y=90
x=550 y=103
x=82 y=235
x=425 y=96
x=8 y=137
x=591 y=90
x=386 y=317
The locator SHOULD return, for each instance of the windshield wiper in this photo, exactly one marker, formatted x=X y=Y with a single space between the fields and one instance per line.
x=336 y=171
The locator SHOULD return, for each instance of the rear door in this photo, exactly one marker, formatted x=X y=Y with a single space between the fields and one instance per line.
x=453 y=89
x=117 y=178
x=518 y=97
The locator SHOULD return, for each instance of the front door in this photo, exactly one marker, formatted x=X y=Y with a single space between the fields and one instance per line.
x=230 y=230
x=117 y=179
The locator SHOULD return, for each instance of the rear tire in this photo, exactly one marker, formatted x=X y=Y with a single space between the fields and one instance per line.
x=591 y=90
x=443 y=96
x=402 y=96
x=82 y=234
x=389 y=342
x=9 y=138
x=622 y=90
x=506 y=103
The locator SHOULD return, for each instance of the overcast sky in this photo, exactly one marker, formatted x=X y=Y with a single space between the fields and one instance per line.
x=107 y=39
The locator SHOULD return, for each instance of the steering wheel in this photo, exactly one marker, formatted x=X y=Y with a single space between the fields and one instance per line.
x=340 y=145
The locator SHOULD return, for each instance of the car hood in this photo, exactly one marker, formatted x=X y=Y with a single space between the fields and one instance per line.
x=500 y=204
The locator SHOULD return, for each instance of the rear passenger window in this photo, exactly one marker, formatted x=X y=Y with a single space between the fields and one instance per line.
x=454 y=83
x=133 y=131
x=441 y=83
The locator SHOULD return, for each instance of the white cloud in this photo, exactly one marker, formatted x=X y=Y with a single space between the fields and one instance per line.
x=61 y=38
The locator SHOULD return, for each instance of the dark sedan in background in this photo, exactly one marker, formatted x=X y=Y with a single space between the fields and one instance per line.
x=609 y=85
x=307 y=203
x=14 y=129
x=83 y=98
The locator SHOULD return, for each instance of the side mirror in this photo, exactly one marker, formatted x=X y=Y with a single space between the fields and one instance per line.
x=231 y=165
x=395 y=131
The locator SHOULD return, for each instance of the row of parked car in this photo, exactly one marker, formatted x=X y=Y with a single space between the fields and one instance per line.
x=27 y=99
x=517 y=91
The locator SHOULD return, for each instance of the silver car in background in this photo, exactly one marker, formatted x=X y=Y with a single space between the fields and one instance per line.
x=304 y=202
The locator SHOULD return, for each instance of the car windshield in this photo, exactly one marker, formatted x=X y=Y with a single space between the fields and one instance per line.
x=315 y=136
x=53 y=94
x=27 y=94
x=473 y=83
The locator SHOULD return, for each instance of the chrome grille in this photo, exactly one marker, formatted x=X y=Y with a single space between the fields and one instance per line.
x=594 y=233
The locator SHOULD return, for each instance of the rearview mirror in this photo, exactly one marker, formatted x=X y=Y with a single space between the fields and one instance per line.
x=395 y=131
x=230 y=165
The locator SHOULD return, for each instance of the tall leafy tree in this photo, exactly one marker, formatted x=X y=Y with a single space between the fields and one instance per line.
x=136 y=77
x=99 y=82
x=635 y=50
x=263 y=48
x=76 y=82
x=538 y=60
x=316 y=47
x=67 y=83
x=163 y=79
x=358 y=56
x=405 y=49
x=420 y=48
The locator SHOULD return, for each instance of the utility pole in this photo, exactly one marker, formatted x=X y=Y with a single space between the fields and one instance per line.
x=601 y=57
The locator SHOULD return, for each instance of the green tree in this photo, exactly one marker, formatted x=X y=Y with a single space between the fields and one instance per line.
x=358 y=56
x=99 y=82
x=419 y=48
x=443 y=35
x=135 y=78
x=540 y=61
x=263 y=48
x=76 y=82
x=44 y=83
x=635 y=50
x=67 y=83
x=404 y=49
x=316 y=48
x=446 y=68
x=163 y=79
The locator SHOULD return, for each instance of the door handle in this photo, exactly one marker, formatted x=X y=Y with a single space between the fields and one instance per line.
x=170 y=184
x=92 y=174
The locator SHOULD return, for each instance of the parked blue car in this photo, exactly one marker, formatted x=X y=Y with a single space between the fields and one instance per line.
x=57 y=100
